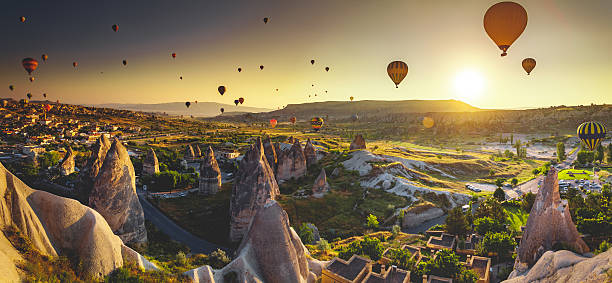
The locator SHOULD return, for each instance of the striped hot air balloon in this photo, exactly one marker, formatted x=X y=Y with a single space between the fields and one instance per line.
x=397 y=71
x=591 y=134
x=29 y=64
x=316 y=123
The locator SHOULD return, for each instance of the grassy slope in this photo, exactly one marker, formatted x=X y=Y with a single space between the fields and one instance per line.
x=516 y=217
x=565 y=174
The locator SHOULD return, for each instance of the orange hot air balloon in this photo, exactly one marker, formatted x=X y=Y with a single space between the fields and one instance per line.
x=504 y=22
x=528 y=65
x=29 y=65
x=273 y=123
x=351 y=98
x=397 y=71
x=75 y=64
x=44 y=57
x=32 y=79
x=115 y=28
x=241 y=100
x=22 y=19
x=48 y=107
x=221 y=89
x=173 y=55
x=292 y=120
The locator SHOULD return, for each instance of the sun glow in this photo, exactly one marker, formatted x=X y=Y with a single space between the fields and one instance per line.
x=469 y=84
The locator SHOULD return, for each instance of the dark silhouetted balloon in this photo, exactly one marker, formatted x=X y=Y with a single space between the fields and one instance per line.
x=222 y=110
x=504 y=22
x=351 y=98
x=44 y=57
x=221 y=89
x=187 y=104
x=181 y=78
x=397 y=71
x=261 y=67
x=239 y=70
x=44 y=95
x=327 y=69
x=173 y=55
x=241 y=100
x=75 y=64
x=29 y=95
x=236 y=102
x=115 y=28
x=528 y=65
x=124 y=62
x=11 y=87
x=196 y=102
x=591 y=134
x=29 y=64
x=265 y=20
x=32 y=79
x=312 y=62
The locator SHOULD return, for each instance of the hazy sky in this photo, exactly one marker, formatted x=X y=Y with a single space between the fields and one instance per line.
x=443 y=43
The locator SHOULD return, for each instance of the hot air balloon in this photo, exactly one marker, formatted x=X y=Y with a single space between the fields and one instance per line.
x=316 y=123
x=173 y=55
x=181 y=78
x=222 y=110
x=239 y=70
x=397 y=71
x=22 y=19
x=44 y=95
x=236 y=102
x=428 y=122
x=265 y=20
x=115 y=28
x=196 y=102
x=48 y=107
x=327 y=69
x=591 y=134
x=277 y=89
x=241 y=100
x=312 y=62
x=29 y=95
x=528 y=65
x=32 y=79
x=261 y=67
x=187 y=104
x=351 y=98
x=504 y=22
x=273 y=123
x=11 y=87
x=75 y=64
x=292 y=120
x=44 y=57
x=124 y=62
x=355 y=117
x=221 y=89
x=29 y=65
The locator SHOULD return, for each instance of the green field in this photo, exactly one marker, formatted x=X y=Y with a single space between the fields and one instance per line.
x=574 y=174
x=516 y=217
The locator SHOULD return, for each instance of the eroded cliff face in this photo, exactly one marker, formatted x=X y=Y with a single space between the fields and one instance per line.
x=67 y=165
x=254 y=185
x=271 y=153
x=358 y=143
x=92 y=167
x=310 y=153
x=292 y=163
x=114 y=196
x=210 y=174
x=150 y=164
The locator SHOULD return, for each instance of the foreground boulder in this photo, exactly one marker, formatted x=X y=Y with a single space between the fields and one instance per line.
x=292 y=163
x=320 y=187
x=566 y=266
x=549 y=223
x=270 y=153
x=57 y=226
x=150 y=164
x=310 y=153
x=253 y=187
x=92 y=167
x=67 y=165
x=358 y=143
x=114 y=196
x=210 y=174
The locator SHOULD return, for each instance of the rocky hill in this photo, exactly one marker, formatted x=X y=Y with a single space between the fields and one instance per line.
x=200 y=109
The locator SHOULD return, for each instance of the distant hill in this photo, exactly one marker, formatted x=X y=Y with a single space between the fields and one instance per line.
x=200 y=109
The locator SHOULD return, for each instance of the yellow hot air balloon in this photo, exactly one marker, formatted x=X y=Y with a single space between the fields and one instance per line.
x=529 y=64
x=504 y=22
x=351 y=98
x=397 y=71
x=591 y=134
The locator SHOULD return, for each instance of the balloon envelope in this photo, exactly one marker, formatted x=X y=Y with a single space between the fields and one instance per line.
x=187 y=104
x=44 y=57
x=261 y=67
x=115 y=28
x=504 y=22
x=222 y=110
x=265 y=20
x=591 y=134
x=22 y=19
x=397 y=71
x=173 y=55
x=327 y=69
x=241 y=100
x=75 y=64
x=124 y=62
x=316 y=123
x=351 y=98
x=29 y=64
x=292 y=120
x=528 y=65
x=273 y=123
x=312 y=62
x=221 y=89
x=239 y=70
x=29 y=95
x=11 y=87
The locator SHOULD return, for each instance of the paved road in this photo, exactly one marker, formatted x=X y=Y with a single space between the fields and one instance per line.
x=175 y=232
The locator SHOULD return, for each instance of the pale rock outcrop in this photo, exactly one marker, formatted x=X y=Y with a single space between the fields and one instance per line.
x=277 y=150
x=358 y=143
x=270 y=153
x=549 y=223
x=57 y=226
x=320 y=186
x=114 y=196
x=67 y=165
x=210 y=174
x=92 y=167
x=254 y=185
x=189 y=154
x=150 y=164
x=310 y=153
x=292 y=163
x=413 y=218
x=196 y=151
x=566 y=266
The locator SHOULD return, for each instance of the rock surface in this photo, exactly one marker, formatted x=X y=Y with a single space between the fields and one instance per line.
x=189 y=153
x=114 y=196
x=253 y=187
x=549 y=223
x=210 y=174
x=56 y=226
x=358 y=143
x=566 y=266
x=196 y=151
x=67 y=165
x=292 y=163
x=310 y=153
x=270 y=153
x=92 y=167
x=320 y=186
x=413 y=218
x=150 y=164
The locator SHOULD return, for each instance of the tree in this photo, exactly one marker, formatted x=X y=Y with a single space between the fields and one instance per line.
x=372 y=221
x=485 y=225
x=369 y=246
x=456 y=222
x=499 y=182
x=517 y=145
x=323 y=245
x=491 y=207
x=514 y=182
x=599 y=153
x=306 y=234
x=535 y=171
x=499 y=194
x=561 y=151
x=527 y=201
x=584 y=157
x=610 y=152
x=501 y=243
x=401 y=258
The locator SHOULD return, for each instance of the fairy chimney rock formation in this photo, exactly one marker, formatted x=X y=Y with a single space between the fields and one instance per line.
x=310 y=153
x=114 y=196
x=254 y=185
x=292 y=163
x=150 y=165
x=92 y=167
x=278 y=151
x=320 y=186
x=358 y=143
x=549 y=223
x=270 y=153
x=67 y=165
x=210 y=174
x=196 y=151
x=189 y=153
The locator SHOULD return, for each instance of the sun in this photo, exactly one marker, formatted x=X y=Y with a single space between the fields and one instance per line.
x=469 y=84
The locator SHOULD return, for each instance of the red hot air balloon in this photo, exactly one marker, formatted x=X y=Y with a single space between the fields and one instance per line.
x=48 y=107
x=22 y=19
x=115 y=28
x=241 y=100
x=29 y=65
x=292 y=120
x=273 y=123
x=236 y=102
x=75 y=64
x=221 y=89
x=173 y=55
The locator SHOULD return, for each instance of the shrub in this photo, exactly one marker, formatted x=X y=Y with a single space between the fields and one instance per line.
x=306 y=234
x=218 y=259
x=323 y=245
x=372 y=221
x=486 y=224
x=456 y=222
